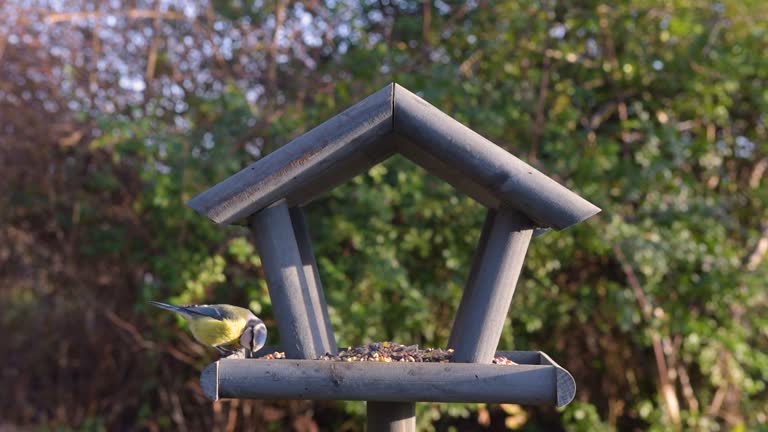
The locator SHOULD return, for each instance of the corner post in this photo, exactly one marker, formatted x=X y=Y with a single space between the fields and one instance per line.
x=491 y=284
x=294 y=287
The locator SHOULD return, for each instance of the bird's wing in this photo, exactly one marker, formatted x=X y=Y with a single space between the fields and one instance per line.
x=204 y=310
x=217 y=312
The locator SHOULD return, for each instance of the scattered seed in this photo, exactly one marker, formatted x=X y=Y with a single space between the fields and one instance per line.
x=388 y=351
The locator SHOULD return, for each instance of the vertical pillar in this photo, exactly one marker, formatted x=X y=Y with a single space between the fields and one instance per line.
x=312 y=275
x=297 y=301
x=491 y=284
x=391 y=417
x=477 y=258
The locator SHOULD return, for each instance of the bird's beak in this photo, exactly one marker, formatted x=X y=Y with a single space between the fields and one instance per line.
x=254 y=346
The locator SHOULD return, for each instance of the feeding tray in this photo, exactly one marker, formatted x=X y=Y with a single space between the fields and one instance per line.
x=393 y=382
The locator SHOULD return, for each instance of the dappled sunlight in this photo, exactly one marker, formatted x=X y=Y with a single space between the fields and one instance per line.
x=114 y=114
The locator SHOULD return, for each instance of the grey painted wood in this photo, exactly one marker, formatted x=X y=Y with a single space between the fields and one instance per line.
x=566 y=385
x=316 y=296
x=513 y=181
x=343 y=171
x=457 y=332
x=209 y=380
x=309 y=161
x=523 y=357
x=293 y=301
x=491 y=284
x=390 y=417
x=449 y=173
x=382 y=382
x=392 y=119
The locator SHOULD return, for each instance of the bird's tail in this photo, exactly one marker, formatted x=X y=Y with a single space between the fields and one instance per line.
x=166 y=306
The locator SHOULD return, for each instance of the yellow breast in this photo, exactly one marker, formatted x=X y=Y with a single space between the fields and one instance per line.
x=213 y=332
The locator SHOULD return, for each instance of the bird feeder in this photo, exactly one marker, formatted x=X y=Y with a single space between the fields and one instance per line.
x=269 y=196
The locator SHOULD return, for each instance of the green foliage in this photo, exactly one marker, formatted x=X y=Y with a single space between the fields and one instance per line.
x=583 y=417
x=654 y=111
x=375 y=237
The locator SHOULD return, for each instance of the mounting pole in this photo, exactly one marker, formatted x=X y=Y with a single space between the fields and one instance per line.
x=293 y=282
x=391 y=417
x=492 y=278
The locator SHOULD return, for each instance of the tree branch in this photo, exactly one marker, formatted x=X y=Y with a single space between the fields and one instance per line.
x=666 y=387
x=426 y=25
x=758 y=171
x=55 y=18
x=153 y=46
x=273 y=49
x=758 y=253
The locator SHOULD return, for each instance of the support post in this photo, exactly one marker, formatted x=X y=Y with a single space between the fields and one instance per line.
x=312 y=275
x=491 y=284
x=298 y=304
x=391 y=416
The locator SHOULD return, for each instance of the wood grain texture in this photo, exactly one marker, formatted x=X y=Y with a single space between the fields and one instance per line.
x=490 y=286
x=390 y=417
x=295 y=303
x=511 y=180
x=311 y=161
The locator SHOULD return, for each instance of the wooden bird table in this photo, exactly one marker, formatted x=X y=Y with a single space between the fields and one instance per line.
x=269 y=195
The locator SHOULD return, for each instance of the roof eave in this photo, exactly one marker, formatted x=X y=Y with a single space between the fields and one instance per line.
x=511 y=180
x=351 y=139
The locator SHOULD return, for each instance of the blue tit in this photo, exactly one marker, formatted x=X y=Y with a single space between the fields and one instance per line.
x=229 y=329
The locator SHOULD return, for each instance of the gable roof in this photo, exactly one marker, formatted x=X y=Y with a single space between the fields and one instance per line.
x=393 y=120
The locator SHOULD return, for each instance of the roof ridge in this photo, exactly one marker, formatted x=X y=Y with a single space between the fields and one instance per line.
x=392 y=120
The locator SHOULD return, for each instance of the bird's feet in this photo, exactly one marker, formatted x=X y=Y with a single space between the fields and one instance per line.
x=236 y=354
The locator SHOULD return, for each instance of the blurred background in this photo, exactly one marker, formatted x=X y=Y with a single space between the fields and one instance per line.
x=114 y=113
